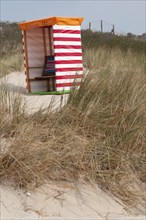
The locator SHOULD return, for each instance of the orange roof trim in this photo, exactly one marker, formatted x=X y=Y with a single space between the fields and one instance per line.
x=71 y=21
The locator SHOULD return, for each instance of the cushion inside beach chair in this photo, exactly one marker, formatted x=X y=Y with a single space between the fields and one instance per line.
x=49 y=67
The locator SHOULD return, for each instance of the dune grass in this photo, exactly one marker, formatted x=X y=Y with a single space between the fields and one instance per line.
x=95 y=40
x=98 y=136
x=11 y=52
x=11 y=63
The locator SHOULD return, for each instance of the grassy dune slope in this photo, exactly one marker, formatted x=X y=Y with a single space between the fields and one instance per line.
x=97 y=137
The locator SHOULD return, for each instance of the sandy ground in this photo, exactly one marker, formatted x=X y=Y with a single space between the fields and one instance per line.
x=16 y=85
x=60 y=201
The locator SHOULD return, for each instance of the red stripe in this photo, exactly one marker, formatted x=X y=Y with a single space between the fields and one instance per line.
x=70 y=76
x=67 y=47
x=66 y=39
x=69 y=69
x=68 y=62
x=67 y=84
x=67 y=54
x=67 y=31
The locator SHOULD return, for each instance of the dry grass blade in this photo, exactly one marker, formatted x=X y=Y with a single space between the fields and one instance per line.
x=98 y=135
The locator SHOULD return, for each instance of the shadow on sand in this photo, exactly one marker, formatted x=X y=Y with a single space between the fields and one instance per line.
x=16 y=89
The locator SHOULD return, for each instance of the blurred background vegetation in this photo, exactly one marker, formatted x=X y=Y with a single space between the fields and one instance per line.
x=11 y=53
x=11 y=40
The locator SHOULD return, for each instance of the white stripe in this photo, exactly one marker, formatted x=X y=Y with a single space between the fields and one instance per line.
x=35 y=49
x=64 y=27
x=69 y=73
x=67 y=43
x=68 y=80
x=22 y=36
x=35 y=55
x=62 y=88
x=66 y=35
x=68 y=65
x=67 y=51
x=68 y=58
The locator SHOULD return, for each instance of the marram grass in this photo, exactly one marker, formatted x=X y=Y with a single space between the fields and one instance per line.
x=11 y=64
x=98 y=136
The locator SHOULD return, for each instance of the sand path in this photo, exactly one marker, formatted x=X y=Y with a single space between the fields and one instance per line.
x=16 y=85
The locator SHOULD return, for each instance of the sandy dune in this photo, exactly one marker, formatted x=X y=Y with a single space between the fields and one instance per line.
x=60 y=201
